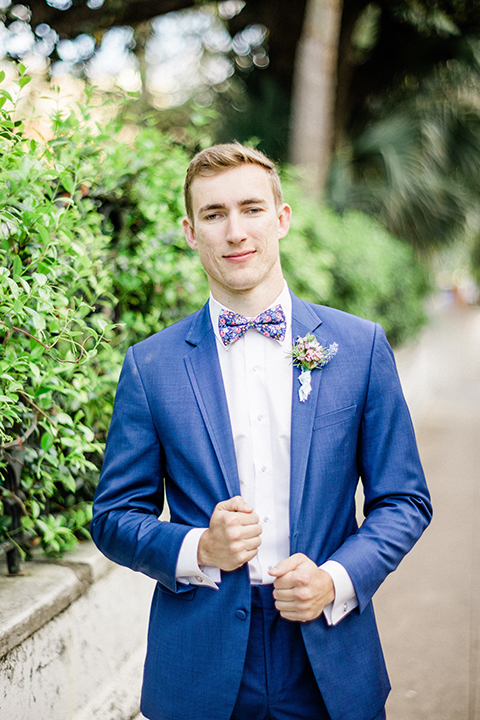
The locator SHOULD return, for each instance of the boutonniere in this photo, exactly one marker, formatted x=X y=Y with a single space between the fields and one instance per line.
x=308 y=354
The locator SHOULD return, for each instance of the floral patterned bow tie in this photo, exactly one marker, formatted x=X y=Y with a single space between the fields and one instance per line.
x=271 y=323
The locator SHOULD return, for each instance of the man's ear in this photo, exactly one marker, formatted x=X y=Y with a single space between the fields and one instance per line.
x=189 y=233
x=284 y=217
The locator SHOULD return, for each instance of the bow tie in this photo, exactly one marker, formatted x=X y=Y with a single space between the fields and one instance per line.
x=271 y=323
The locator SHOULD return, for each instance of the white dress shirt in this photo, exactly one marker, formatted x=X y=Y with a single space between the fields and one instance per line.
x=257 y=376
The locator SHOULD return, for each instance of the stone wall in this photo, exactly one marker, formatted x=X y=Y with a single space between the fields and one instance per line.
x=72 y=639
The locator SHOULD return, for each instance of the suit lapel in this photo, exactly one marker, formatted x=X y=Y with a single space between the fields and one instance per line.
x=203 y=368
x=304 y=320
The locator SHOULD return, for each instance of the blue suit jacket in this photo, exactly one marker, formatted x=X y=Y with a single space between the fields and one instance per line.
x=171 y=424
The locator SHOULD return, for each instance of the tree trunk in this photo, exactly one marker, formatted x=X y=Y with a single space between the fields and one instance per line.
x=314 y=90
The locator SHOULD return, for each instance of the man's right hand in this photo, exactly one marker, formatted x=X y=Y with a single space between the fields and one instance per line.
x=233 y=535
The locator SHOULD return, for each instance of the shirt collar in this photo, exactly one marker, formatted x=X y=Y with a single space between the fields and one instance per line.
x=284 y=299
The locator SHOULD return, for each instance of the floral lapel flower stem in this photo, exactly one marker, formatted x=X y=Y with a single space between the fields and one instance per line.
x=308 y=354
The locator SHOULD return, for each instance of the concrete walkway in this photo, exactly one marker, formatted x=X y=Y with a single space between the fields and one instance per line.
x=429 y=609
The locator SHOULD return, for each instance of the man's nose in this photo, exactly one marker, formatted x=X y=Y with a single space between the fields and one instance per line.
x=236 y=229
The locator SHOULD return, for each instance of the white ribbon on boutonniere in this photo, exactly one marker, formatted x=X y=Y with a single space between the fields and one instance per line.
x=308 y=354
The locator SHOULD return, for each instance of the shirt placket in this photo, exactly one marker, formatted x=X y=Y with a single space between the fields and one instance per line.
x=260 y=423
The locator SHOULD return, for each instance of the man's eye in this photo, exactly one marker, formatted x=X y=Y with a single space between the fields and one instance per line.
x=254 y=210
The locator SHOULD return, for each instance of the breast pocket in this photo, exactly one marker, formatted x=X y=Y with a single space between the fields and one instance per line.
x=335 y=417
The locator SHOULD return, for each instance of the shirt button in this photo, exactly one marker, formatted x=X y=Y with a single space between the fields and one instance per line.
x=266 y=519
x=241 y=614
x=264 y=468
x=198 y=578
x=255 y=368
x=344 y=607
x=259 y=418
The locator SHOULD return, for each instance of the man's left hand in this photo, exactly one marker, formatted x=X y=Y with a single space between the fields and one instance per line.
x=301 y=589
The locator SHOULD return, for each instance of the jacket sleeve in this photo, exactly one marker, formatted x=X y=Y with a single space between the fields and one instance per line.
x=130 y=494
x=397 y=503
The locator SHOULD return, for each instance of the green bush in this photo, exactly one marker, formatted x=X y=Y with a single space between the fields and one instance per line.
x=156 y=278
x=352 y=263
x=53 y=274
x=92 y=259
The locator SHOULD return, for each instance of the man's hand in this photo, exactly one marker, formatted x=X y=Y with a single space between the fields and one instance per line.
x=301 y=589
x=233 y=535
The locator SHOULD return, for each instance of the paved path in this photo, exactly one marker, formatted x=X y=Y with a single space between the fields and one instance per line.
x=429 y=609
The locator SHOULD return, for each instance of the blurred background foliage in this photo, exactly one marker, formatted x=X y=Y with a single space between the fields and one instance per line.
x=98 y=124
x=400 y=139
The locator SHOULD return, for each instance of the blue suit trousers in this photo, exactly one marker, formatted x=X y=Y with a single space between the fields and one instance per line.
x=278 y=681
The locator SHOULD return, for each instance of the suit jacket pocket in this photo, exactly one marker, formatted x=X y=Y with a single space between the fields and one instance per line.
x=335 y=417
x=187 y=594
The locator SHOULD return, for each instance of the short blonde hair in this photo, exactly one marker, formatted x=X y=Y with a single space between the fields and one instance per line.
x=219 y=158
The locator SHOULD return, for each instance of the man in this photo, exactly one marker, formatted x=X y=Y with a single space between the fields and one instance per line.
x=263 y=603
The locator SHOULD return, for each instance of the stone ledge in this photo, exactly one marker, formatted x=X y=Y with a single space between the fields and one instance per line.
x=45 y=588
x=88 y=564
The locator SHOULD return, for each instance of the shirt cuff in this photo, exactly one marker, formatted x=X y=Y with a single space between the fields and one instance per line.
x=188 y=572
x=345 y=596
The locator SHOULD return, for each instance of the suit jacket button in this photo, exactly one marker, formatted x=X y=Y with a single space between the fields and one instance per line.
x=241 y=614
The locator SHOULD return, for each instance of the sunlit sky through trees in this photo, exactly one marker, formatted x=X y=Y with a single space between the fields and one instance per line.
x=185 y=54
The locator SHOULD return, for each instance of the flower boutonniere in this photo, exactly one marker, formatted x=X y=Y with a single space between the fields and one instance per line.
x=308 y=354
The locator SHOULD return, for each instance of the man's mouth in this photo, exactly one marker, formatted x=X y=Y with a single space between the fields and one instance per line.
x=240 y=256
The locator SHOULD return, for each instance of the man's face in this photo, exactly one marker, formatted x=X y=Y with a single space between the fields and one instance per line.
x=236 y=227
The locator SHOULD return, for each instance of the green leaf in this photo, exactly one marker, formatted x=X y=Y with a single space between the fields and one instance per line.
x=43 y=232
x=43 y=268
x=24 y=81
x=64 y=419
x=69 y=483
x=40 y=279
x=69 y=442
x=17 y=266
x=47 y=441
x=68 y=183
x=38 y=320
x=34 y=370
x=2 y=75
x=17 y=306
x=24 y=284
x=42 y=391
x=87 y=432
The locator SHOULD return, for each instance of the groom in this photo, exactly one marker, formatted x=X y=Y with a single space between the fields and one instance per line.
x=262 y=607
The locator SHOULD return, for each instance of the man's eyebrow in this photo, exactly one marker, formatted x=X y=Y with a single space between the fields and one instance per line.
x=213 y=206
x=221 y=206
x=253 y=201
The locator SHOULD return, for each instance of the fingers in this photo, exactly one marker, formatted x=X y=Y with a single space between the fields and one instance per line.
x=235 y=511
x=288 y=565
x=301 y=589
x=233 y=536
x=235 y=504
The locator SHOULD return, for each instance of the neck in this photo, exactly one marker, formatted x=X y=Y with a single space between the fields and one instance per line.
x=249 y=303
